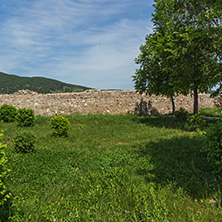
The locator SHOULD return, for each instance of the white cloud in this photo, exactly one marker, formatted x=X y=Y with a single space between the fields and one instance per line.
x=84 y=42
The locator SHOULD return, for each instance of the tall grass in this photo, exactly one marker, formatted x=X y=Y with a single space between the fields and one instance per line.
x=111 y=168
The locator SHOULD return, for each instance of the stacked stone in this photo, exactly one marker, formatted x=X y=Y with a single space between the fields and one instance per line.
x=99 y=101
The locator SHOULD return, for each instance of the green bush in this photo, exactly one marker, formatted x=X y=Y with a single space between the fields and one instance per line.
x=8 y=113
x=24 y=142
x=60 y=126
x=196 y=121
x=213 y=147
x=3 y=195
x=181 y=115
x=25 y=117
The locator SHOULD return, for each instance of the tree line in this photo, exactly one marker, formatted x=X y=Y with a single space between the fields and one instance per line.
x=12 y=83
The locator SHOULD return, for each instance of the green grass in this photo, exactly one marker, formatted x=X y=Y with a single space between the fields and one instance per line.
x=111 y=168
x=212 y=112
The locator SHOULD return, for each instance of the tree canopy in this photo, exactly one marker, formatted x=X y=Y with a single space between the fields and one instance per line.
x=183 y=54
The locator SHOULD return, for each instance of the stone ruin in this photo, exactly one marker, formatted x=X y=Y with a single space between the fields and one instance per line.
x=106 y=102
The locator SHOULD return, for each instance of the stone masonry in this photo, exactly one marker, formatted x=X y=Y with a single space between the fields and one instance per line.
x=98 y=101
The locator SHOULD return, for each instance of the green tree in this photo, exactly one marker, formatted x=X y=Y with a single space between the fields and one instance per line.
x=151 y=77
x=185 y=46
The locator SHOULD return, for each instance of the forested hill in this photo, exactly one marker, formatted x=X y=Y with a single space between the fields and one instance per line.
x=12 y=83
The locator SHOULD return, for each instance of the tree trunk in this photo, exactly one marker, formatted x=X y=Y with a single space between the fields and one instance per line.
x=173 y=104
x=195 y=105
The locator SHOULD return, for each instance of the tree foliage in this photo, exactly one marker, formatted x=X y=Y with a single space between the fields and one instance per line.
x=151 y=77
x=183 y=54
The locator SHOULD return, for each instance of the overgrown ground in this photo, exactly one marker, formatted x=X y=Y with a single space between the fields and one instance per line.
x=112 y=168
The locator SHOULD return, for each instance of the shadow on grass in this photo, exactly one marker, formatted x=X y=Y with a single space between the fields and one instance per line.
x=5 y=210
x=167 y=121
x=179 y=161
x=211 y=112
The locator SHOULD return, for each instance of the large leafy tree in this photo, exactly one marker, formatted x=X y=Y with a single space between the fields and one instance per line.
x=184 y=52
x=151 y=77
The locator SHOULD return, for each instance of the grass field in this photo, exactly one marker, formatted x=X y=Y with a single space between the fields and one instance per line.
x=214 y=112
x=111 y=168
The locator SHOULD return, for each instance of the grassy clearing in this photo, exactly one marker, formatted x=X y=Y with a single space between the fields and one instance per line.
x=111 y=168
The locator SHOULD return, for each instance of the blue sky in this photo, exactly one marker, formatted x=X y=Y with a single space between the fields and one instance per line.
x=85 y=42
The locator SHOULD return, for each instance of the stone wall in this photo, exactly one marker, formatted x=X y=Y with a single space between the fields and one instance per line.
x=97 y=101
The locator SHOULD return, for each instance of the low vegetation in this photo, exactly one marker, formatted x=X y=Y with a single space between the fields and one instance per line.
x=25 y=117
x=24 y=142
x=60 y=126
x=7 y=113
x=112 y=168
x=3 y=194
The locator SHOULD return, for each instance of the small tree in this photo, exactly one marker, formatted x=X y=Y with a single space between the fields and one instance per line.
x=60 y=126
x=8 y=113
x=24 y=142
x=25 y=117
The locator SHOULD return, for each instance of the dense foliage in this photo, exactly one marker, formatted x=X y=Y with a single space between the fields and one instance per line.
x=184 y=52
x=3 y=194
x=60 y=126
x=213 y=148
x=181 y=115
x=196 y=120
x=12 y=83
x=8 y=113
x=25 y=117
x=24 y=142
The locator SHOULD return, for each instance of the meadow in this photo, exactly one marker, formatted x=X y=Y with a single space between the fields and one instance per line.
x=112 y=168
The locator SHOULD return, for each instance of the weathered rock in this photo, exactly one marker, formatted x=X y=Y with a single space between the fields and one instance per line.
x=25 y=92
x=97 y=101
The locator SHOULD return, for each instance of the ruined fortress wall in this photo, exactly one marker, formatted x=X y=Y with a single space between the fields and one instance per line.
x=97 y=101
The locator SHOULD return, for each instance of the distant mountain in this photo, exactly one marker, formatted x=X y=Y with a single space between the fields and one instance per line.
x=12 y=83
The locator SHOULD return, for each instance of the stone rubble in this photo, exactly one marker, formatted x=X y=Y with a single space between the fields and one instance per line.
x=106 y=102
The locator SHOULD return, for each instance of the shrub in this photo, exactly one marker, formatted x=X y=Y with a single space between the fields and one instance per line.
x=24 y=142
x=196 y=121
x=181 y=115
x=213 y=147
x=8 y=113
x=3 y=195
x=60 y=126
x=25 y=117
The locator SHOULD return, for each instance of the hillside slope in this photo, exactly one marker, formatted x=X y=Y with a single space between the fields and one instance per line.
x=12 y=83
